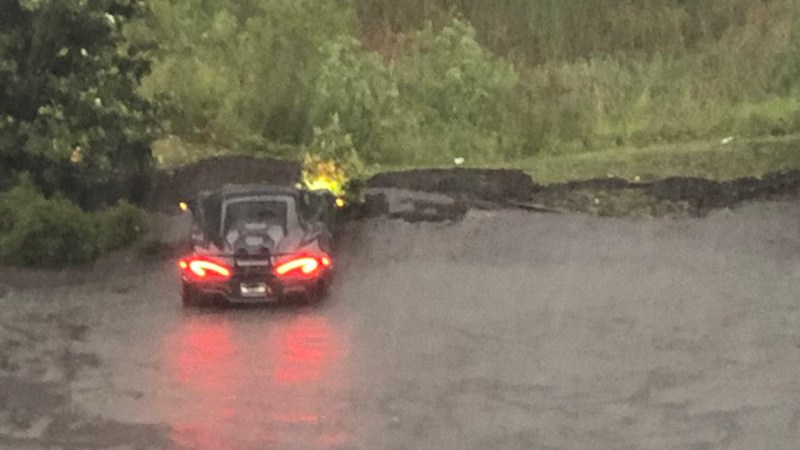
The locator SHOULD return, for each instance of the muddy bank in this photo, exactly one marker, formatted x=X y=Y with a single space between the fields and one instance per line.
x=679 y=195
x=701 y=194
x=487 y=184
x=486 y=189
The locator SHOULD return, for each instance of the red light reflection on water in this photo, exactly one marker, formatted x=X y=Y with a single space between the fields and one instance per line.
x=304 y=349
x=257 y=382
x=204 y=356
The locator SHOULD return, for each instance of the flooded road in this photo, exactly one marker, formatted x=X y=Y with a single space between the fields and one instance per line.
x=243 y=378
x=505 y=330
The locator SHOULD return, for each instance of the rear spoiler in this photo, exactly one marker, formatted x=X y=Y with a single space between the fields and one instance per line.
x=248 y=261
x=231 y=255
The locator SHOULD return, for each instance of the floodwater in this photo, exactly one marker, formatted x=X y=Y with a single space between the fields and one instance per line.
x=504 y=330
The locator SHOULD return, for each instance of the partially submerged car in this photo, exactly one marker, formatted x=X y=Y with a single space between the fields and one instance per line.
x=258 y=244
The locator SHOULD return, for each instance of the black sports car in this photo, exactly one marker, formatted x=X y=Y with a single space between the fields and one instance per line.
x=258 y=243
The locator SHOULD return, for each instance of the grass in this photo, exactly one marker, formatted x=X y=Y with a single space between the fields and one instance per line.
x=712 y=160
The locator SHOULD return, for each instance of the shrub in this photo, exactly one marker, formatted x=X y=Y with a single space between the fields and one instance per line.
x=240 y=73
x=459 y=93
x=444 y=97
x=119 y=226
x=54 y=232
x=44 y=232
x=357 y=87
x=331 y=160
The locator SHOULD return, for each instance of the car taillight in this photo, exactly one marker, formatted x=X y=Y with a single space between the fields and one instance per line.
x=204 y=268
x=302 y=266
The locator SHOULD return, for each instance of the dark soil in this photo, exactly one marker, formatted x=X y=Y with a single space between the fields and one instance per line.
x=423 y=211
x=501 y=187
x=708 y=195
x=497 y=185
x=700 y=195
x=512 y=186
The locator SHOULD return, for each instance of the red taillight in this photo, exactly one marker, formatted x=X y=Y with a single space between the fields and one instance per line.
x=303 y=266
x=203 y=268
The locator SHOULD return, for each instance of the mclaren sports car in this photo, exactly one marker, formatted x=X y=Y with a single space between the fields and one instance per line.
x=258 y=244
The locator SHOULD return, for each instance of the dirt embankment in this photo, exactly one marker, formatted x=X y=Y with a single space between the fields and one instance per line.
x=485 y=188
x=496 y=185
x=605 y=196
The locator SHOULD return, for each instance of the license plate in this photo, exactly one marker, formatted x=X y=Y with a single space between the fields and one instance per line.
x=254 y=289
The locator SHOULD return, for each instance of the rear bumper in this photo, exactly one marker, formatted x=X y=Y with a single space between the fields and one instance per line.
x=265 y=289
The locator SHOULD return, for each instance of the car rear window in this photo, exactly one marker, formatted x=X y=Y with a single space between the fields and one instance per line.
x=255 y=210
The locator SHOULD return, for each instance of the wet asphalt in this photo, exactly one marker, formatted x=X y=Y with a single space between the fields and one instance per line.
x=504 y=330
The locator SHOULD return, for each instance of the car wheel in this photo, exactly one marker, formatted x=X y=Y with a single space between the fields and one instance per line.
x=190 y=297
x=318 y=293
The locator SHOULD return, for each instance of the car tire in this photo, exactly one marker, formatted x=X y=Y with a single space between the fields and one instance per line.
x=318 y=293
x=190 y=297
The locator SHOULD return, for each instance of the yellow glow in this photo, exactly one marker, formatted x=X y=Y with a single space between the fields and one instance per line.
x=320 y=174
x=183 y=206
x=340 y=202
x=323 y=184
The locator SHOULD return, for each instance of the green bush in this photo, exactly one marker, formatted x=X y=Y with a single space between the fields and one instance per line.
x=357 y=87
x=240 y=73
x=459 y=93
x=445 y=97
x=44 y=232
x=119 y=226
x=54 y=232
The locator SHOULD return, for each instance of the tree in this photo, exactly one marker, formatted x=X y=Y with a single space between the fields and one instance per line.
x=240 y=72
x=69 y=111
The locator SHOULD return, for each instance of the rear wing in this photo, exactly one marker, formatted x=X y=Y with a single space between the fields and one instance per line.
x=266 y=260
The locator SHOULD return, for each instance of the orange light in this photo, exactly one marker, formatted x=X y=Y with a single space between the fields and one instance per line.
x=307 y=265
x=183 y=264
